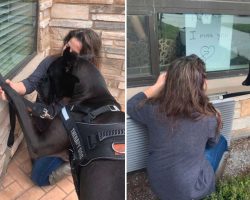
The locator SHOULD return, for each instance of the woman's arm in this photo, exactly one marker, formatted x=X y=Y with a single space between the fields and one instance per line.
x=29 y=84
x=137 y=107
x=33 y=80
x=155 y=89
x=213 y=136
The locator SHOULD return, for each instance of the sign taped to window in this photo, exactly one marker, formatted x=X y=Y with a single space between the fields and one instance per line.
x=210 y=37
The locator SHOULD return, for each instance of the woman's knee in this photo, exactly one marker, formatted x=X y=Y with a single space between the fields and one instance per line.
x=42 y=169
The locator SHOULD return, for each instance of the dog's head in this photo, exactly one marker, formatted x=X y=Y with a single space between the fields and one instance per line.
x=69 y=58
x=74 y=76
x=59 y=81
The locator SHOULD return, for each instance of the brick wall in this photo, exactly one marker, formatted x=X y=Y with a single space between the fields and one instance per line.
x=106 y=17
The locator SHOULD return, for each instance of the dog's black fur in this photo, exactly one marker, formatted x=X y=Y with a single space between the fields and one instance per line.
x=74 y=77
x=59 y=81
x=247 y=80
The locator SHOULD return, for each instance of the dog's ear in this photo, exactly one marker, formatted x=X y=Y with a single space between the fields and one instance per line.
x=69 y=57
x=68 y=84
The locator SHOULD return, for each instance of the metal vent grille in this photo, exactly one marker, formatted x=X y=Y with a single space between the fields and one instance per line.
x=137 y=138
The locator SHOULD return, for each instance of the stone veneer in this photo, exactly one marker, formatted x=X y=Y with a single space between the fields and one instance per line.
x=56 y=18
x=241 y=121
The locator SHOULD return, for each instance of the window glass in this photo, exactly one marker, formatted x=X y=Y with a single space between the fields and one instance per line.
x=17 y=33
x=222 y=41
x=138 y=48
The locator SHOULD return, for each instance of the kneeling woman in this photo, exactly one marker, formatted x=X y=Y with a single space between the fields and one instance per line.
x=185 y=146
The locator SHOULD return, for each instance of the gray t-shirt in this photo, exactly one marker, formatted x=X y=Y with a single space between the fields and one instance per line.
x=177 y=167
x=33 y=80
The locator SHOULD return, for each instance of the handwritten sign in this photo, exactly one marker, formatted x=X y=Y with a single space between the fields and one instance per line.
x=210 y=37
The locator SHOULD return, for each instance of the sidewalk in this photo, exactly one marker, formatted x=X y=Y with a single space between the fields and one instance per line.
x=17 y=184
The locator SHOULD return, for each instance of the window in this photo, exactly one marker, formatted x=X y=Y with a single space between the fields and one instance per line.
x=160 y=31
x=220 y=40
x=138 y=61
x=18 y=22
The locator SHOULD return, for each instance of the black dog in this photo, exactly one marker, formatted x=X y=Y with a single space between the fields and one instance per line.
x=75 y=77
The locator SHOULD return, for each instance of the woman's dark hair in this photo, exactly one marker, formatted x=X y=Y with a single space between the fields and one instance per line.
x=91 y=43
x=184 y=92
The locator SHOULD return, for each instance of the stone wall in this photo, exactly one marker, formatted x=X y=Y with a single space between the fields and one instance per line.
x=43 y=26
x=241 y=121
x=106 y=17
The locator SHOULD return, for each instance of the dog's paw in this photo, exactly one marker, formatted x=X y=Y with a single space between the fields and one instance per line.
x=246 y=82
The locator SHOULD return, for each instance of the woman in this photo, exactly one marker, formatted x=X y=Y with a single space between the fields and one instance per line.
x=85 y=42
x=181 y=123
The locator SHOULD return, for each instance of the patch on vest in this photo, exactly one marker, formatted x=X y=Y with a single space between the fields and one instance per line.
x=119 y=148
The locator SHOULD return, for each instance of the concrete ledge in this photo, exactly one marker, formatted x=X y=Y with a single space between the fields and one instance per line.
x=45 y=5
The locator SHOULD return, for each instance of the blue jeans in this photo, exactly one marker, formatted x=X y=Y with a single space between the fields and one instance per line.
x=43 y=167
x=215 y=153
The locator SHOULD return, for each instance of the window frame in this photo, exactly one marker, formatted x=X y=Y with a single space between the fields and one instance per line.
x=11 y=74
x=152 y=38
x=151 y=8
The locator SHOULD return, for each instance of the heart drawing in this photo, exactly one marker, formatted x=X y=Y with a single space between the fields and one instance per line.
x=207 y=52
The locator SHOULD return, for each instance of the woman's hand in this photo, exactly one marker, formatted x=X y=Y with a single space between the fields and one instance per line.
x=2 y=95
x=155 y=89
x=18 y=87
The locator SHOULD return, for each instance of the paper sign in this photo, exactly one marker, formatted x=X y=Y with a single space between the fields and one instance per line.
x=210 y=39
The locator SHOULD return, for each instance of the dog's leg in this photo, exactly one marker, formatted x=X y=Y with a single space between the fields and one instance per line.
x=52 y=141
x=103 y=179
x=247 y=80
